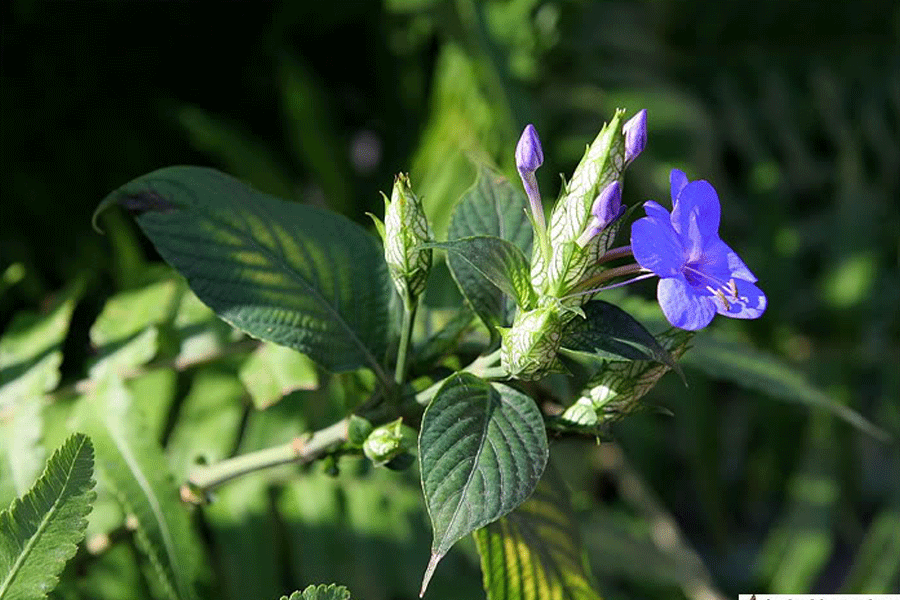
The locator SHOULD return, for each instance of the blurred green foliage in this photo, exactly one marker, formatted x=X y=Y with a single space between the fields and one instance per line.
x=791 y=109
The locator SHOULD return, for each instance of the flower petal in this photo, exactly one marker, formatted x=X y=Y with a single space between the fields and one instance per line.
x=736 y=266
x=750 y=303
x=696 y=217
x=656 y=246
x=683 y=306
x=677 y=181
x=655 y=211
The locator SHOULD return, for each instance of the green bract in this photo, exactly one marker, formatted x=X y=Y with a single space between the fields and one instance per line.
x=404 y=230
x=568 y=263
x=530 y=346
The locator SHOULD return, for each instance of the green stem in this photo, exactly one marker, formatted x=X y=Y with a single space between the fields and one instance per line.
x=300 y=451
x=409 y=317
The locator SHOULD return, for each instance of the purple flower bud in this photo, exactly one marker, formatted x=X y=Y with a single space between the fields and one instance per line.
x=635 y=135
x=607 y=208
x=530 y=156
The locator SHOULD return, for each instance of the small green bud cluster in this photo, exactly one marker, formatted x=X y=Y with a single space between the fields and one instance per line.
x=404 y=230
x=388 y=442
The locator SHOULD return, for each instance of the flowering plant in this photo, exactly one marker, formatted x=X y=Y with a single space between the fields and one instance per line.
x=459 y=397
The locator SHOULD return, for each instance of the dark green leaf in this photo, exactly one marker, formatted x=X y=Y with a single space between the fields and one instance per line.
x=321 y=592
x=610 y=333
x=287 y=273
x=535 y=551
x=133 y=464
x=482 y=450
x=499 y=261
x=39 y=532
x=492 y=207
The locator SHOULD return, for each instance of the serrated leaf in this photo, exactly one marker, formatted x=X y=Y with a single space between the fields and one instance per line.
x=283 y=272
x=535 y=552
x=608 y=332
x=274 y=371
x=616 y=388
x=497 y=260
x=39 y=532
x=757 y=370
x=482 y=450
x=493 y=207
x=321 y=592
x=133 y=464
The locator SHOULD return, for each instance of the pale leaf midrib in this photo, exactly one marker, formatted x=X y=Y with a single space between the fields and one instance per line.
x=465 y=487
x=45 y=523
x=147 y=489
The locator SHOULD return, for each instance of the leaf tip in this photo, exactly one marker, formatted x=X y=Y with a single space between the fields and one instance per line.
x=429 y=572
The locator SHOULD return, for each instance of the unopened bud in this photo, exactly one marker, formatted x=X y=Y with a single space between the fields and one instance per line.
x=530 y=156
x=635 y=135
x=606 y=209
x=404 y=230
x=389 y=441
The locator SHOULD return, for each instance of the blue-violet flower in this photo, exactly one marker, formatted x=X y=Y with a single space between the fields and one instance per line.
x=635 y=130
x=699 y=274
x=530 y=156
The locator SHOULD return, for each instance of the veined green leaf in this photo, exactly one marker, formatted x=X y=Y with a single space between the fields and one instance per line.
x=321 y=592
x=610 y=333
x=754 y=369
x=491 y=207
x=535 y=552
x=274 y=371
x=39 y=532
x=499 y=261
x=282 y=272
x=133 y=464
x=482 y=450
